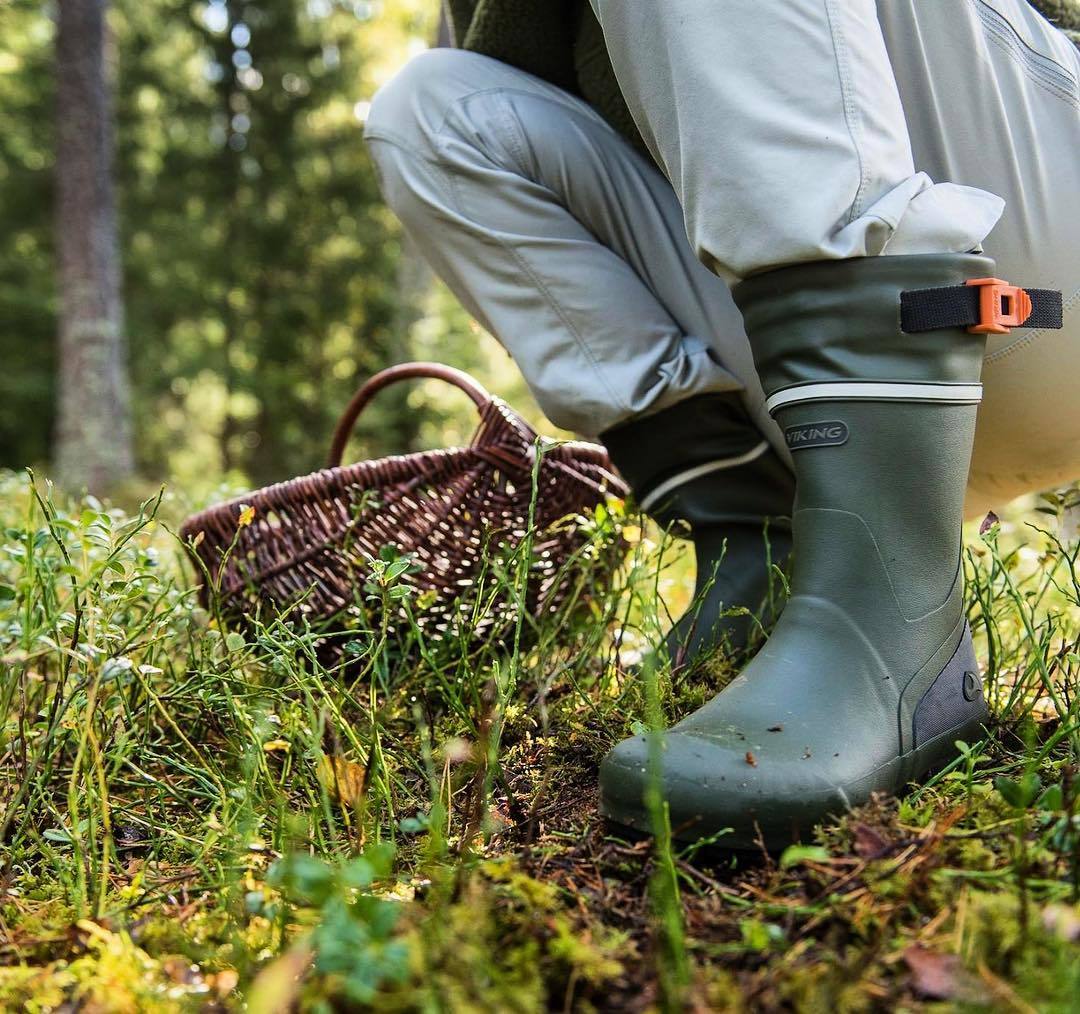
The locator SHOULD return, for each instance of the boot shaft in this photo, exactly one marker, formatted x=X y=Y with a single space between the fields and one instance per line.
x=880 y=423
x=838 y=322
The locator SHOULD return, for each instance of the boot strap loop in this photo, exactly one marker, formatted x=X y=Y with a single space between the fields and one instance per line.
x=982 y=305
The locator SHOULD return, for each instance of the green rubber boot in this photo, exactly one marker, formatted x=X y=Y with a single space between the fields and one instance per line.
x=869 y=676
x=701 y=463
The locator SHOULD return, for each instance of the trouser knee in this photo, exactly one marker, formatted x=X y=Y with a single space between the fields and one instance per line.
x=414 y=101
x=417 y=119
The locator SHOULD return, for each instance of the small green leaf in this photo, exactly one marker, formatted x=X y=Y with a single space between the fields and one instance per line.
x=309 y=880
x=414 y=825
x=1018 y=793
x=1009 y=791
x=359 y=874
x=793 y=855
x=1052 y=799
x=760 y=936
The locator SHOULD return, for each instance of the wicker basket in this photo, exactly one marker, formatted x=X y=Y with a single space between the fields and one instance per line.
x=308 y=545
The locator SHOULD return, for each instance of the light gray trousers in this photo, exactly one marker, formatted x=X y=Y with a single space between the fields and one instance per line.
x=790 y=130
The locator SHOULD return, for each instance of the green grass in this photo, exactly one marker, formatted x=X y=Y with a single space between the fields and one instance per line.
x=198 y=818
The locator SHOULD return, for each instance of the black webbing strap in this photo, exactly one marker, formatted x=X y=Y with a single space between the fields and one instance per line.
x=958 y=306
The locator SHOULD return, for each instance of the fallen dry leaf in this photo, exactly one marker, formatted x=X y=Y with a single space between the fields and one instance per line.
x=870 y=843
x=934 y=976
x=343 y=779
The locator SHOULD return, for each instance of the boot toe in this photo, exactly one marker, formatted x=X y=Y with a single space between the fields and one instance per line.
x=714 y=788
x=624 y=776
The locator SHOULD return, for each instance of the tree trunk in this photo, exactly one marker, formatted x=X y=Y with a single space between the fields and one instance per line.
x=93 y=435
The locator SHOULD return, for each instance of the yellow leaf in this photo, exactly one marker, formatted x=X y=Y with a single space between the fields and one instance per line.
x=277 y=986
x=343 y=779
x=247 y=515
x=93 y=929
x=631 y=533
x=224 y=982
x=276 y=744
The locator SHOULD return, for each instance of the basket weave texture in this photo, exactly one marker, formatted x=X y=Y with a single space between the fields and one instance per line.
x=310 y=543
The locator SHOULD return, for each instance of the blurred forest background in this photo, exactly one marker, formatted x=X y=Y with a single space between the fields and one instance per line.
x=255 y=279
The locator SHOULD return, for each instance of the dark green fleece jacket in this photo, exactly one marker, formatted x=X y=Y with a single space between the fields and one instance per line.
x=557 y=40
x=561 y=42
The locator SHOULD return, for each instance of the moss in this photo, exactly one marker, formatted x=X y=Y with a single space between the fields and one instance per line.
x=536 y=909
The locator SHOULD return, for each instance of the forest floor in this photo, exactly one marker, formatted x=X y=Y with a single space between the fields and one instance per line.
x=201 y=818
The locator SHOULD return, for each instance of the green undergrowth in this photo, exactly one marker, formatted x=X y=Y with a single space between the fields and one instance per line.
x=194 y=817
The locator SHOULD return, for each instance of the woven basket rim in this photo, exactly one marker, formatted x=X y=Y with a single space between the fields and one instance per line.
x=315 y=530
x=327 y=479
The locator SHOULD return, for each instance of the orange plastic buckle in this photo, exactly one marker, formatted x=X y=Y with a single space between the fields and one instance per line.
x=1001 y=306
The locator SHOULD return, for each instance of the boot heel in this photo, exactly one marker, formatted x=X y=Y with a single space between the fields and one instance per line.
x=954 y=700
x=952 y=708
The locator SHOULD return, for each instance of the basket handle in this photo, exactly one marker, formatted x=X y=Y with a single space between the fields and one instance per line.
x=391 y=375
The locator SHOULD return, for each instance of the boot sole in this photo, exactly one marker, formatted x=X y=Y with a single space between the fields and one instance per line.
x=776 y=835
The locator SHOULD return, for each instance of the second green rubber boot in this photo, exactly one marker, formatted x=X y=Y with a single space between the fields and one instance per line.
x=869 y=677
x=702 y=464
